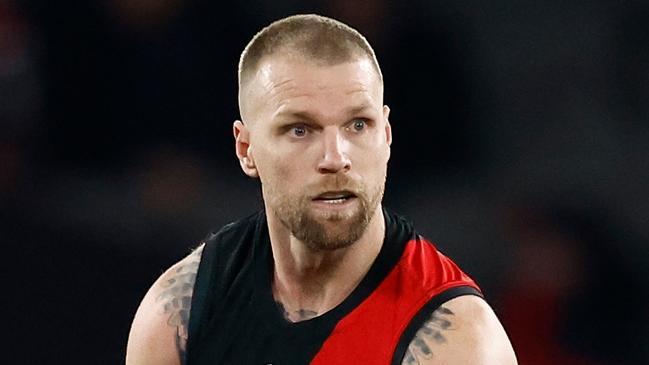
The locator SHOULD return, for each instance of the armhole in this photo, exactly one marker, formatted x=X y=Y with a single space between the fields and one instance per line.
x=423 y=314
x=200 y=295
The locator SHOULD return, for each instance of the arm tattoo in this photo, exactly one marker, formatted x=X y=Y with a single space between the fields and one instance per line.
x=431 y=332
x=298 y=315
x=176 y=298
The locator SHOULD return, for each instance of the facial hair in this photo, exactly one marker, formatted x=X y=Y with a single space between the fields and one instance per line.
x=294 y=212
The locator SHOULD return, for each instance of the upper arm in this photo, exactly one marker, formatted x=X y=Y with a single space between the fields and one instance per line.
x=464 y=330
x=159 y=330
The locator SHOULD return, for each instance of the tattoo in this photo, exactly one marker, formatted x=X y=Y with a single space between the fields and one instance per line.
x=431 y=332
x=176 y=298
x=298 y=315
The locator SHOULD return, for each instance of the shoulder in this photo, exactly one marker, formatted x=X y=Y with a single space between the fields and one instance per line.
x=159 y=331
x=464 y=330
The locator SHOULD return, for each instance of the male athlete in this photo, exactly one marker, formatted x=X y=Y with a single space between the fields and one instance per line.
x=324 y=274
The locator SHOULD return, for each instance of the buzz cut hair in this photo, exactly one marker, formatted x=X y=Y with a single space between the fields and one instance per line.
x=317 y=38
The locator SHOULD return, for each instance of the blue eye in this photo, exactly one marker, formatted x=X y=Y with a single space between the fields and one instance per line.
x=299 y=131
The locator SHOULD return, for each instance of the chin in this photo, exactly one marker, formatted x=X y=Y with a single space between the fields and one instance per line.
x=331 y=242
x=336 y=218
x=333 y=233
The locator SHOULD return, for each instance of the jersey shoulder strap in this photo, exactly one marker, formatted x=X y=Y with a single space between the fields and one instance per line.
x=380 y=329
x=221 y=260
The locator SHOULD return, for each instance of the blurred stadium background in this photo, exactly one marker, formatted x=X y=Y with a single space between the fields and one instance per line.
x=521 y=148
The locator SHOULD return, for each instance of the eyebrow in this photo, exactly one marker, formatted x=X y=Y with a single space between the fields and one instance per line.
x=308 y=116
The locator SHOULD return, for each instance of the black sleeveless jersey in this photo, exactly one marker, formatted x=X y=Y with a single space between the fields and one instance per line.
x=235 y=320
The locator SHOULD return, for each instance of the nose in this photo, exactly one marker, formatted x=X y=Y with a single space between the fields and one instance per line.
x=334 y=158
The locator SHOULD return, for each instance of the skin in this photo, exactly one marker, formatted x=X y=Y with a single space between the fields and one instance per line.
x=159 y=330
x=310 y=129
x=300 y=147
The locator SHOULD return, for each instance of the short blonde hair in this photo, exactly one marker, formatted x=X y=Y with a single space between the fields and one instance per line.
x=315 y=37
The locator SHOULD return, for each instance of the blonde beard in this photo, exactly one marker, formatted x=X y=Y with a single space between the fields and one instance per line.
x=294 y=214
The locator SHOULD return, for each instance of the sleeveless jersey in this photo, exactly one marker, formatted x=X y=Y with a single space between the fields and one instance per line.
x=235 y=320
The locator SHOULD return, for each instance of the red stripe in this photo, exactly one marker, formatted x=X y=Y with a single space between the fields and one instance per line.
x=370 y=333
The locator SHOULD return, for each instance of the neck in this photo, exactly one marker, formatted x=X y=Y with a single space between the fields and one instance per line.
x=309 y=282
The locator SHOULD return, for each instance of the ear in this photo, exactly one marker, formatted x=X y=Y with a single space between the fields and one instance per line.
x=243 y=149
x=388 y=127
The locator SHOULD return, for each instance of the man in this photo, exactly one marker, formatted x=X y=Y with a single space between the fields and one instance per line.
x=324 y=275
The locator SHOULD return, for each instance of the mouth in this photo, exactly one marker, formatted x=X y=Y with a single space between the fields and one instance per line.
x=335 y=197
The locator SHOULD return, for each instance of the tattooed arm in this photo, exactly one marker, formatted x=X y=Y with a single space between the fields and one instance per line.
x=464 y=330
x=159 y=330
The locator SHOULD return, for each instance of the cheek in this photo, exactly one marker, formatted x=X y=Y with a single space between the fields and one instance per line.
x=374 y=156
x=275 y=169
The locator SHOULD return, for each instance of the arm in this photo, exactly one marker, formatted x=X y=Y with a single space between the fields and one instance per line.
x=464 y=330
x=159 y=330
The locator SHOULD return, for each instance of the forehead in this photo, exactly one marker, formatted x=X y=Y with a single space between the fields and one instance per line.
x=294 y=82
x=294 y=65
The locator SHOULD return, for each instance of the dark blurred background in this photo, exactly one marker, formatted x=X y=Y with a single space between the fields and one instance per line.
x=521 y=148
